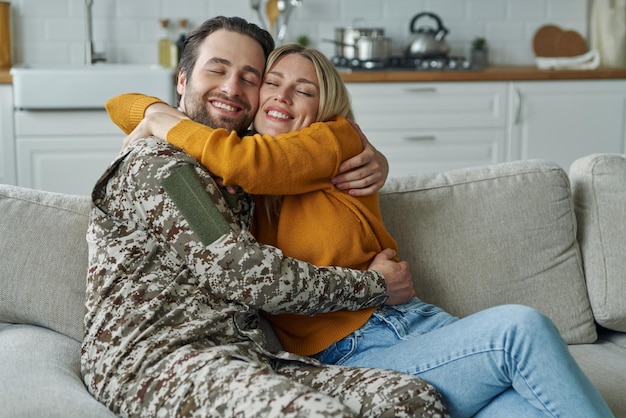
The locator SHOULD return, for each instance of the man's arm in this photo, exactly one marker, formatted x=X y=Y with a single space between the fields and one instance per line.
x=228 y=259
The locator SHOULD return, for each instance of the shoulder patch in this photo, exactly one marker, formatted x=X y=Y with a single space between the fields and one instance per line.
x=187 y=192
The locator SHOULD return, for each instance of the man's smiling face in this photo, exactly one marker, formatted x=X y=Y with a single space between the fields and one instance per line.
x=223 y=88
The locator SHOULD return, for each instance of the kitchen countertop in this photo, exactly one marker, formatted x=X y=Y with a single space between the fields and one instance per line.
x=488 y=74
x=517 y=73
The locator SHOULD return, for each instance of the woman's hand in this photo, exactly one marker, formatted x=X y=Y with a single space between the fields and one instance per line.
x=153 y=124
x=365 y=173
x=140 y=132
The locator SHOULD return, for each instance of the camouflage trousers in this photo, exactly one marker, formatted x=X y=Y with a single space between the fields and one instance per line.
x=236 y=387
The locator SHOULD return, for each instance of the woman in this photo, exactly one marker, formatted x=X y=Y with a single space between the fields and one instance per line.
x=504 y=361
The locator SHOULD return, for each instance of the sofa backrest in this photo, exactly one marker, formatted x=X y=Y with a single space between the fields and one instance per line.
x=481 y=237
x=474 y=238
x=599 y=188
x=44 y=259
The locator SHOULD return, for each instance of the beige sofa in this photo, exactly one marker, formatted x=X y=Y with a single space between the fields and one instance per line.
x=477 y=237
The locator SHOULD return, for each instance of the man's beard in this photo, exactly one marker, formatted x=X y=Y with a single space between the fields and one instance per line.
x=196 y=109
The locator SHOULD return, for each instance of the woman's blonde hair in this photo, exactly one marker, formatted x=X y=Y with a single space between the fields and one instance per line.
x=334 y=98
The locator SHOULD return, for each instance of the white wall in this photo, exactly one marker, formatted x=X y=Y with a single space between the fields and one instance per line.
x=52 y=31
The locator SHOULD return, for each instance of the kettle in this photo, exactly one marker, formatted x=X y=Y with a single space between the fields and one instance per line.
x=428 y=42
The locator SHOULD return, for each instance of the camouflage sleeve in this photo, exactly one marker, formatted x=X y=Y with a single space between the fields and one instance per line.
x=224 y=255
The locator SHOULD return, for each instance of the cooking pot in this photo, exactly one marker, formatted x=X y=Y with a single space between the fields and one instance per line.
x=428 y=42
x=365 y=44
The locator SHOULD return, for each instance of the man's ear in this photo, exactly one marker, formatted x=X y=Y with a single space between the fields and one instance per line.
x=181 y=81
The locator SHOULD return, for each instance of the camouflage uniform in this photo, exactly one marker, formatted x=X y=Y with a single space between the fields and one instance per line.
x=174 y=287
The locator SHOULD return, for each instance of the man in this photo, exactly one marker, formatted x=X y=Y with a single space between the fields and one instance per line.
x=176 y=280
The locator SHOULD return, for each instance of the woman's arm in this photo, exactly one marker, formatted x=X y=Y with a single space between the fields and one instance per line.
x=291 y=163
x=243 y=166
x=128 y=110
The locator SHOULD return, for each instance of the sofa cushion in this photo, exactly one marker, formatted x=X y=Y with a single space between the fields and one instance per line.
x=599 y=189
x=41 y=377
x=486 y=236
x=44 y=259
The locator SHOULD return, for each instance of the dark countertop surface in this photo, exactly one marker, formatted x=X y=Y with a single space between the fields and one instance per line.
x=516 y=73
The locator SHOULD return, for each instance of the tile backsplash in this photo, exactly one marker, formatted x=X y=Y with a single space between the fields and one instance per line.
x=53 y=31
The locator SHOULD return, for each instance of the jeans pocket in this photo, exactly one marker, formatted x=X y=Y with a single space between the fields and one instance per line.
x=340 y=351
x=414 y=306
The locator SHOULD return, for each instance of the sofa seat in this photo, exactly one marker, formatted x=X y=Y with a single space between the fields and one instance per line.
x=604 y=362
x=40 y=371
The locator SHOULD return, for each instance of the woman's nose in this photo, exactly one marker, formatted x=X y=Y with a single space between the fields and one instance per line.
x=282 y=95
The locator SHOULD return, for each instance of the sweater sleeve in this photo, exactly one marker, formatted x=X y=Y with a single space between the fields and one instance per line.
x=127 y=110
x=292 y=163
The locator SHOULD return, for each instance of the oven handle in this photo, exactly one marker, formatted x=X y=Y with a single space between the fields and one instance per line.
x=421 y=90
x=420 y=138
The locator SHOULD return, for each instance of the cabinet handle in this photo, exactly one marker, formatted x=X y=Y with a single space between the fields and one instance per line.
x=421 y=90
x=421 y=138
x=518 y=112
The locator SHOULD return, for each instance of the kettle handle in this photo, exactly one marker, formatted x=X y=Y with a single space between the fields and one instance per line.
x=441 y=30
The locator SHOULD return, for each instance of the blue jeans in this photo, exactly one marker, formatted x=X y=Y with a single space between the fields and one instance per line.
x=507 y=361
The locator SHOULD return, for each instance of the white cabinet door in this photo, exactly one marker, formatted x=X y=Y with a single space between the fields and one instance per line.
x=425 y=127
x=64 y=152
x=565 y=120
x=7 y=140
x=421 y=151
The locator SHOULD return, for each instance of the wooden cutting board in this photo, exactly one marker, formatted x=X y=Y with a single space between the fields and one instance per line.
x=570 y=44
x=545 y=40
x=552 y=41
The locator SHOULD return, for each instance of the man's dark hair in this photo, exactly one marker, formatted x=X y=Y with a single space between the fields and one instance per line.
x=189 y=54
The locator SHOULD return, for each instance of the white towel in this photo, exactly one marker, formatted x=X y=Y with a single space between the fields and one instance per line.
x=587 y=61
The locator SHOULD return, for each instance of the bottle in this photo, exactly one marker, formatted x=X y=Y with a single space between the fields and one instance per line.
x=165 y=45
x=180 y=42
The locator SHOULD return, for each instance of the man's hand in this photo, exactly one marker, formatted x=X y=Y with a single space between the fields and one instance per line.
x=397 y=277
x=365 y=173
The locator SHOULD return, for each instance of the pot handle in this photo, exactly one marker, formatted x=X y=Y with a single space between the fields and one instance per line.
x=441 y=30
x=339 y=43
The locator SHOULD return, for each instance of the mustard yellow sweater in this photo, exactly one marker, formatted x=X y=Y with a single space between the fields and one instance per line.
x=318 y=223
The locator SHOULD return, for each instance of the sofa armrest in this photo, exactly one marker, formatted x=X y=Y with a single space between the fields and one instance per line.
x=599 y=189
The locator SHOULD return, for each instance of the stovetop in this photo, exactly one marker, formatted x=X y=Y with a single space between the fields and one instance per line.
x=403 y=63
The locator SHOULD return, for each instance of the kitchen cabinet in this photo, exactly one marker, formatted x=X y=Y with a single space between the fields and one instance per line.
x=565 y=120
x=423 y=127
x=64 y=151
x=7 y=150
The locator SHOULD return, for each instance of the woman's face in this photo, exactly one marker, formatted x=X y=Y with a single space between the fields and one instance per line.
x=289 y=96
